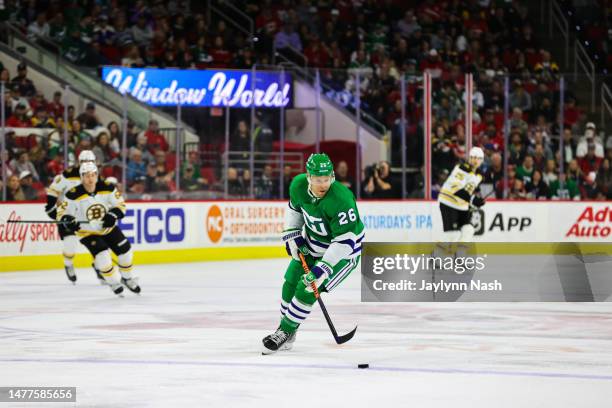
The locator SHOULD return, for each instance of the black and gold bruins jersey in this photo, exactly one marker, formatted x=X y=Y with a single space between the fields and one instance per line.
x=465 y=179
x=91 y=207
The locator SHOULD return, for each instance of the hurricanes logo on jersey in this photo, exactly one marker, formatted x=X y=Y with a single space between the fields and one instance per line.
x=95 y=212
x=314 y=224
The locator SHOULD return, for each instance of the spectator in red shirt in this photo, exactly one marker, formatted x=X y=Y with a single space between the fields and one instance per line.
x=267 y=22
x=317 y=55
x=55 y=107
x=18 y=119
x=433 y=64
x=38 y=101
x=220 y=55
x=590 y=162
x=155 y=140
x=56 y=165
x=570 y=112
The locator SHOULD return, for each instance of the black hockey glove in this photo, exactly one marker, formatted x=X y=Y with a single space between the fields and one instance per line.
x=478 y=201
x=111 y=217
x=109 y=220
x=463 y=194
x=70 y=223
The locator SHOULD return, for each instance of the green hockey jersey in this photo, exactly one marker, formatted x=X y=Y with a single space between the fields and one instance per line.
x=331 y=225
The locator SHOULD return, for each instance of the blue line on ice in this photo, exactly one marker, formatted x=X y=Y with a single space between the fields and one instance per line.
x=317 y=366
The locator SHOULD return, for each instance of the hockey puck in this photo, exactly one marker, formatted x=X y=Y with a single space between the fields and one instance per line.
x=363 y=366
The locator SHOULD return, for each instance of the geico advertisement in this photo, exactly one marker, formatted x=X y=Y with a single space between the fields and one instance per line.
x=150 y=224
x=146 y=226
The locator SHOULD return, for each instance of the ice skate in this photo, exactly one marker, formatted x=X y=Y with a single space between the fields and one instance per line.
x=279 y=340
x=117 y=288
x=131 y=284
x=70 y=273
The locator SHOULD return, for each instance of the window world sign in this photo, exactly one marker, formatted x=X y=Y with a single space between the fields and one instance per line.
x=162 y=87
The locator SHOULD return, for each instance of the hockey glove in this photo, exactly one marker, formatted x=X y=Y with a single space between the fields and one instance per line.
x=109 y=220
x=295 y=243
x=463 y=194
x=70 y=223
x=478 y=201
x=317 y=274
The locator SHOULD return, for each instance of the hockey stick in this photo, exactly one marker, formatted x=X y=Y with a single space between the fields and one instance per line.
x=339 y=339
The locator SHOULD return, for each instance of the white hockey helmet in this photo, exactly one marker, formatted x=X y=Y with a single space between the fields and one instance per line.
x=87 y=156
x=476 y=152
x=111 y=180
x=87 y=167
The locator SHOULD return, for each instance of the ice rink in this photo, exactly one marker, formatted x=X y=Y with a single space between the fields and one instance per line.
x=192 y=339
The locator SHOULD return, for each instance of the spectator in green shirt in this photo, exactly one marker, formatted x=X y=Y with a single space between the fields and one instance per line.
x=525 y=170
x=564 y=189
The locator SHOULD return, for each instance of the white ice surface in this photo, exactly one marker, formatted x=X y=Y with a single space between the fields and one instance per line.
x=192 y=339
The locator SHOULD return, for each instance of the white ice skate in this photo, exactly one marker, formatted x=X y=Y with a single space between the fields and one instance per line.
x=70 y=274
x=117 y=288
x=131 y=284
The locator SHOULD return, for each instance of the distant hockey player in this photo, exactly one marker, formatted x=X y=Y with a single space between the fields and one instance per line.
x=322 y=222
x=62 y=183
x=457 y=194
x=92 y=210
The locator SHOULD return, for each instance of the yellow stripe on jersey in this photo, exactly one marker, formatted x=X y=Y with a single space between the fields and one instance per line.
x=73 y=178
x=450 y=196
x=103 y=192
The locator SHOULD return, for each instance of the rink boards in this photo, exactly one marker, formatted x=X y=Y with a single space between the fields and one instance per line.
x=171 y=231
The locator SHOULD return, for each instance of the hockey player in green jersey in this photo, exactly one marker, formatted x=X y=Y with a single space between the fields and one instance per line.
x=322 y=222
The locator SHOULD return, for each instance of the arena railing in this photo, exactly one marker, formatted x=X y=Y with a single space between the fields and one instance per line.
x=85 y=81
x=582 y=60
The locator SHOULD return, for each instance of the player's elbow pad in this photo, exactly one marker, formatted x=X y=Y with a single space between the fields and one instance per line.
x=463 y=194
x=117 y=213
x=51 y=200
x=293 y=219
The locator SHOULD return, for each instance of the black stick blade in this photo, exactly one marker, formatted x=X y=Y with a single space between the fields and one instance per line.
x=343 y=339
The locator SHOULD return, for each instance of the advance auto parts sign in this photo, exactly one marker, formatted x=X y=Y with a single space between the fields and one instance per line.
x=245 y=223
